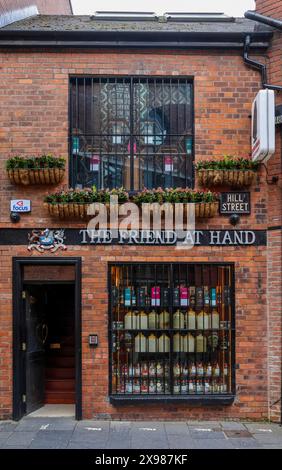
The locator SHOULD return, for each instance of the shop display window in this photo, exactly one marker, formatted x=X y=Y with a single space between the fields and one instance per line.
x=171 y=330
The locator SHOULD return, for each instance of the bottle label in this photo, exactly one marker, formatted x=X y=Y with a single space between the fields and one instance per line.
x=176 y=297
x=127 y=297
x=165 y=297
x=213 y=297
x=206 y=296
x=156 y=296
x=192 y=294
x=199 y=297
x=184 y=297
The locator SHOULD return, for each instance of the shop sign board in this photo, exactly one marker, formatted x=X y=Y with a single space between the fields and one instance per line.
x=235 y=203
x=40 y=240
x=263 y=125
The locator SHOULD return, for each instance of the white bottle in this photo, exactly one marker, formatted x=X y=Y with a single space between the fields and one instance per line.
x=203 y=320
x=164 y=320
x=153 y=320
x=191 y=319
x=201 y=343
x=177 y=342
x=215 y=319
x=189 y=343
x=164 y=343
x=152 y=343
x=130 y=321
x=178 y=320
x=142 y=321
x=140 y=342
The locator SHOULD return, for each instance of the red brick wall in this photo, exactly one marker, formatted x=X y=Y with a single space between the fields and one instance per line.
x=34 y=97
x=34 y=119
x=273 y=9
x=45 y=7
x=251 y=327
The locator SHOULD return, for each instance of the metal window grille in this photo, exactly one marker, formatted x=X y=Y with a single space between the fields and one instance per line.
x=131 y=132
x=171 y=330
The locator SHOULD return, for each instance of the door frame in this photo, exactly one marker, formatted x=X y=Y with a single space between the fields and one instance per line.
x=19 y=329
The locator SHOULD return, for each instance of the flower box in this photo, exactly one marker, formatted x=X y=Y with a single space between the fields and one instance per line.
x=227 y=171
x=206 y=209
x=76 y=203
x=234 y=178
x=68 y=210
x=36 y=170
x=42 y=176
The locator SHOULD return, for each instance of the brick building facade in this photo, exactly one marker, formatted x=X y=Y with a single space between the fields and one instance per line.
x=35 y=119
x=274 y=65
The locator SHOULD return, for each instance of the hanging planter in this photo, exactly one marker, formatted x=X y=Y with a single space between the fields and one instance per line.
x=234 y=172
x=76 y=203
x=205 y=202
x=206 y=209
x=67 y=210
x=36 y=170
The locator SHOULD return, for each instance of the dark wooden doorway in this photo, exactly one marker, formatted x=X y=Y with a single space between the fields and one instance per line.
x=50 y=346
x=47 y=334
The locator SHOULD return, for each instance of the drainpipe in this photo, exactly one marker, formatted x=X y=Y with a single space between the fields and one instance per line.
x=252 y=15
x=259 y=66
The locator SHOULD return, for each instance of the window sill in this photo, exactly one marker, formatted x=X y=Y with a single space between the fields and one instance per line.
x=196 y=400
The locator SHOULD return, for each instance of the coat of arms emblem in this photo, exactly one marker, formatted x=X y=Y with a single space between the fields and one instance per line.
x=46 y=240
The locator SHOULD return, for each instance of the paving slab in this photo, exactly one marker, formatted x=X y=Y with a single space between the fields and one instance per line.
x=177 y=429
x=268 y=438
x=16 y=447
x=158 y=425
x=118 y=445
x=89 y=438
x=43 y=444
x=54 y=435
x=232 y=426
x=120 y=428
x=5 y=434
x=152 y=444
x=93 y=444
x=81 y=445
x=32 y=424
x=204 y=424
x=2 y=443
x=245 y=443
x=64 y=424
x=261 y=427
x=207 y=435
x=90 y=423
x=8 y=426
x=269 y=446
x=213 y=444
x=23 y=438
x=180 y=442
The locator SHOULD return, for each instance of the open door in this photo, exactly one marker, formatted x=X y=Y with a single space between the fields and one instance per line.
x=46 y=334
x=36 y=334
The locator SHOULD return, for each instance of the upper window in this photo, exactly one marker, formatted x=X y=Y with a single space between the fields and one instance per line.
x=131 y=132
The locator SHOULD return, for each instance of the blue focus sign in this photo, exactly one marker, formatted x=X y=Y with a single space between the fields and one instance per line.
x=20 y=205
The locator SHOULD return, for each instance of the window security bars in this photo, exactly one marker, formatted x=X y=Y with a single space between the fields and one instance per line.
x=131 y=132
x=171 y=330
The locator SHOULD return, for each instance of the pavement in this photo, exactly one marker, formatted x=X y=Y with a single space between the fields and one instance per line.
x=66 y=433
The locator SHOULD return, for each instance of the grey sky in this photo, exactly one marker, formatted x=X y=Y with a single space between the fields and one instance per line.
x=230 y=7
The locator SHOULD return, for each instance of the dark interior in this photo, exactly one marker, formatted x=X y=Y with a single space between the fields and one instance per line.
x=50 y=340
